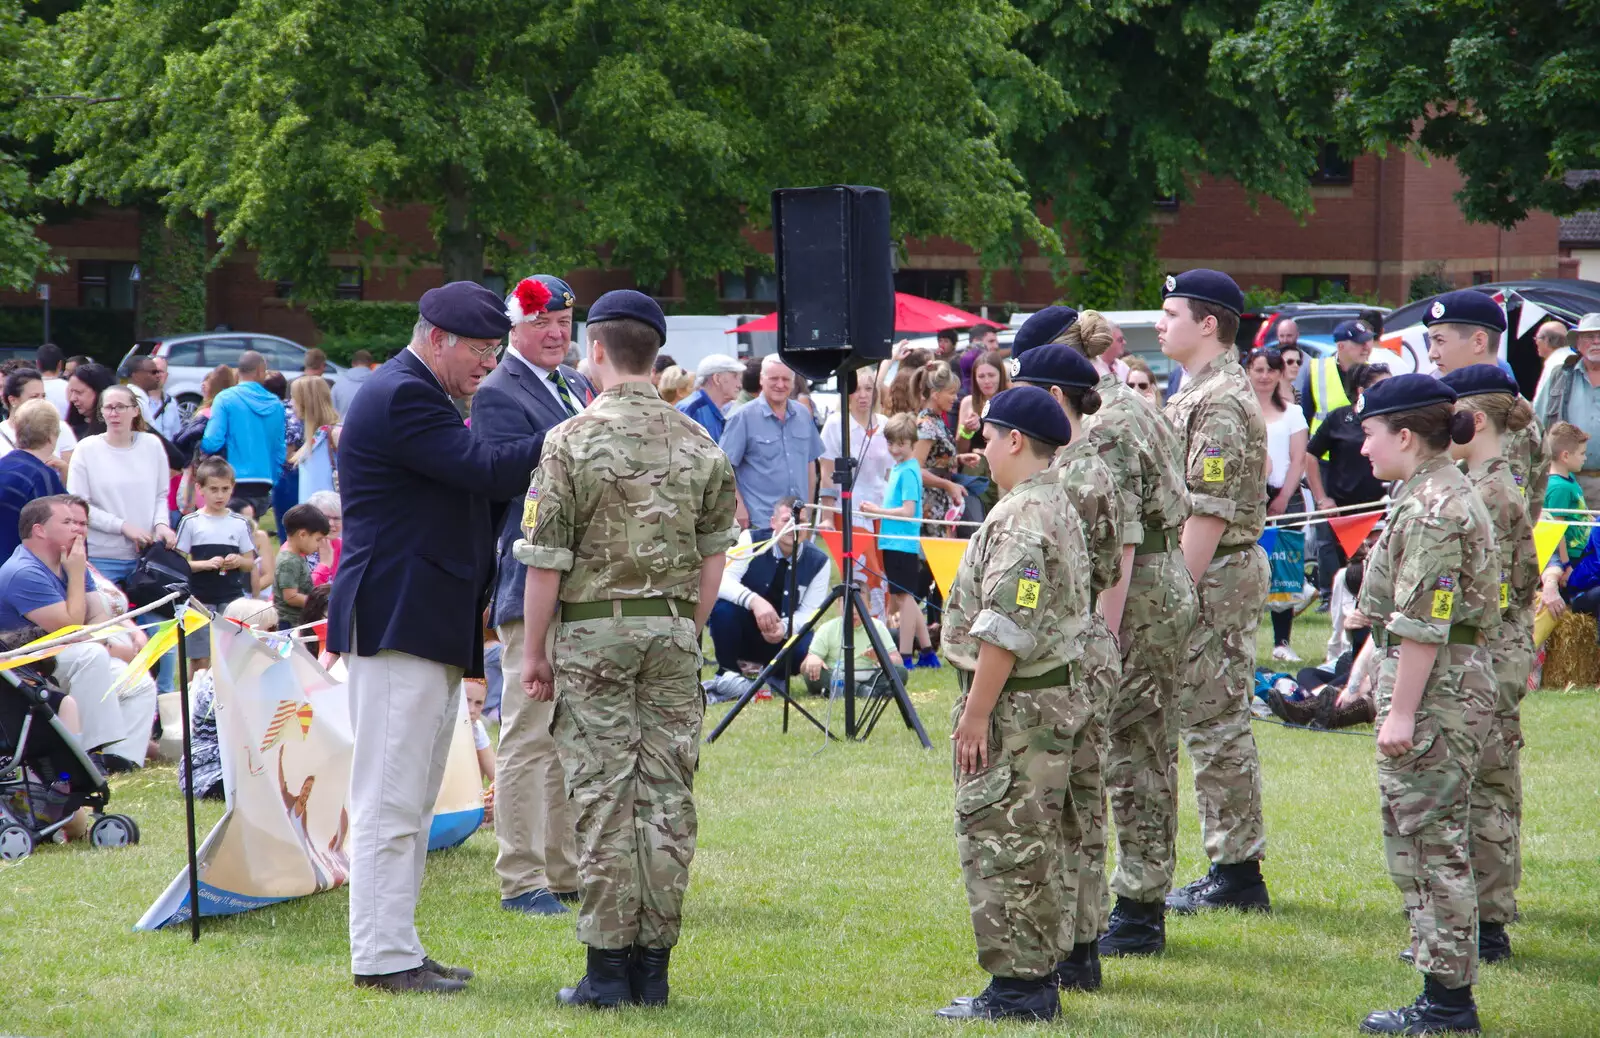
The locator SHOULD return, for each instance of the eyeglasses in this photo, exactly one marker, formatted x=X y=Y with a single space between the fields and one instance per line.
x=116 y=408
x=487 y=351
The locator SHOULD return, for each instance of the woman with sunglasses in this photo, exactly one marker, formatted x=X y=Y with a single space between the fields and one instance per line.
x=1286 y=453
x=1142 y=381
x=1293 y=361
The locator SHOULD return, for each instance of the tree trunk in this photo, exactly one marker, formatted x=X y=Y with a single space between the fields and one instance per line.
x=461 y=238
x=172 y=273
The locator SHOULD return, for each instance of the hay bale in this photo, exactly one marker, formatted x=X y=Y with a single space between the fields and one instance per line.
x=1571 y=655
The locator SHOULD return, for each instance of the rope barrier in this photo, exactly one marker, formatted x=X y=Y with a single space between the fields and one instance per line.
x=83 y=633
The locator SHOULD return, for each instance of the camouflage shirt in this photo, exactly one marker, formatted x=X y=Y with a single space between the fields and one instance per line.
x=1225 y=448
x=1513 y=535
x=629 y=498
x=1139 y=447
x=1023 y=584
x=1093 y=492
x=1436 y=563
x=1530 y=469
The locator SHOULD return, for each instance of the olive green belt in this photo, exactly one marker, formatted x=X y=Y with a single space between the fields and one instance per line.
x=1049 y=679
x=1460 y=634
x=573 y=612
x=1232 y=549
x=1160 y=542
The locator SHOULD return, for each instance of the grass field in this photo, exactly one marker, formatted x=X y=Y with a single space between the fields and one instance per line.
x=826 y=899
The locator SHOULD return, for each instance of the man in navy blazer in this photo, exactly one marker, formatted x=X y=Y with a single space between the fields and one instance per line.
x=531 y=391
x=416 y=486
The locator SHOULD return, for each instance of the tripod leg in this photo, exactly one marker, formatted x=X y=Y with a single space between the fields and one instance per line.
x=772 y=665
x=907 y=712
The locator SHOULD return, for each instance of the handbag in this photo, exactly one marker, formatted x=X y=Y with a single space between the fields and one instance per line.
x=190 y=433
x=153 y=576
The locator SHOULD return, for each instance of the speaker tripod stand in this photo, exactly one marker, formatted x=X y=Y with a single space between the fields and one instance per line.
x=846 y=591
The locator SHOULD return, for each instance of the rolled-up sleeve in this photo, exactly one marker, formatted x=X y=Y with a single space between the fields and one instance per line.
x=547 y=511
x=1428 y=582
x=716 y=531
x=1212 y=466
x=1015 y=599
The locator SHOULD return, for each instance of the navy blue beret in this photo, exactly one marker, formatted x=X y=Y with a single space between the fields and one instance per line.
x=1466 y=307
x=465 y=308
x=1208 y=286
x=1042 y=327
x=1352 y=331
x=1403 y=393
x=1054 y=364
x=626 y=304
x=1032 y=412
x=1480 y=379
x=538 y=294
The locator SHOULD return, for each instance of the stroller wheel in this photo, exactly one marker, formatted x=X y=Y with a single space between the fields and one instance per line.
x=113 y=831
x=16 y=842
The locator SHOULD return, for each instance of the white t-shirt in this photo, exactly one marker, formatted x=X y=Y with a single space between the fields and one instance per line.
x=871 y=452
x=480 y=735
x=55 y=391
x=1279 y=432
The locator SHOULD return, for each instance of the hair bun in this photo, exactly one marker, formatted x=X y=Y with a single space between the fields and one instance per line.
x=1462 y=427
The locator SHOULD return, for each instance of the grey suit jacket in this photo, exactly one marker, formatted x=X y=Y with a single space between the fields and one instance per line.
x=509 y=405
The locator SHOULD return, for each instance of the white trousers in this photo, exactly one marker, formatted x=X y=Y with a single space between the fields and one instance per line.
x=402 y=712
x=119 y=725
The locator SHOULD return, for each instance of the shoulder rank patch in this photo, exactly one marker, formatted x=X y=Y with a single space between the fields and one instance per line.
x=1444 y=598
x=530 y=508
x=1028 y=588
x=1213 y=465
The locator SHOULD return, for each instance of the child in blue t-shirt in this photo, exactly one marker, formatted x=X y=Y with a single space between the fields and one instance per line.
x=899 y=538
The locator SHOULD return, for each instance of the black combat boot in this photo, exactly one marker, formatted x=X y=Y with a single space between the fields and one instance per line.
x=1239 y=887
x=1008 y=998
x=647 y=975
x=605 y=983
x=1437 y=1010
x=1494 y=944
x=1301 y=711
x=1081 y=970
x=1135 y=928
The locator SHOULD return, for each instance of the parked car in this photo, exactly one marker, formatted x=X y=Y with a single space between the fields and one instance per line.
x=1315 y=320
x=190 y=359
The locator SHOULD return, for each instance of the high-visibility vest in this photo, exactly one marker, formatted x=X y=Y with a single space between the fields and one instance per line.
x=1327 y=386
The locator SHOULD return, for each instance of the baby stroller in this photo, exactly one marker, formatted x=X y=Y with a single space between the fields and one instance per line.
x=45 y=776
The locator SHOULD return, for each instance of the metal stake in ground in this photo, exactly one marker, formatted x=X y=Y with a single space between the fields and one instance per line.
x=188 y=774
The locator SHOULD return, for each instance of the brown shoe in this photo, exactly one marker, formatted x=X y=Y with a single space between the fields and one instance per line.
x=449 y=972
x=1362 y=711
x=418 y=979
x=1301 y=712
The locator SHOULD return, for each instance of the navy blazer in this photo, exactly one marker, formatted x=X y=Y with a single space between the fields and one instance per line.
x=416 y=485
x=508 y=406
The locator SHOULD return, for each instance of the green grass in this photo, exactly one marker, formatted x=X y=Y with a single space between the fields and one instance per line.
x=826 y=899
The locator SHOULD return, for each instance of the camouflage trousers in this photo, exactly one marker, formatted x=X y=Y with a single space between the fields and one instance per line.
x=1214 y=707
x=1496 y=815
x=627 y=728
x=1102 y=673
x=1142 y=734
x=1425 y=798
x=1018 y=833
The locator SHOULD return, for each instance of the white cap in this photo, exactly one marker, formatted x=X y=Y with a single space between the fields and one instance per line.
x=716 y=364
x=1590 y=323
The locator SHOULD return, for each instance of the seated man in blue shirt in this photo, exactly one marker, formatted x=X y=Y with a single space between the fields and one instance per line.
x=718 y=376
x=747 y=623
x=771 y=442
x=45 y=583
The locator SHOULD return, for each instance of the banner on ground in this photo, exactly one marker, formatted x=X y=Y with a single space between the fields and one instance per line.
x=283 y=729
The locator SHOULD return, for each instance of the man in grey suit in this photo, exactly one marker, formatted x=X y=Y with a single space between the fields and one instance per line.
x=530 y=392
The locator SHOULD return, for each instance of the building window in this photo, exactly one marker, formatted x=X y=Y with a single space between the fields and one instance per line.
x=106 y=285
x=748 y=285
x=1332 y=168
x=1482 y=277
x=1313 y=286
x=349 y=283
x=947 y=286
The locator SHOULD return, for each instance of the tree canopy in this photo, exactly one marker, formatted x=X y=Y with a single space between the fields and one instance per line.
x=1508 y=89
x=22 y=254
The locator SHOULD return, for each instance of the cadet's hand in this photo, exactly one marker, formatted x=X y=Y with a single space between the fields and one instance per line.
x=1394 y=738
x=538 y=679
x=972 y=743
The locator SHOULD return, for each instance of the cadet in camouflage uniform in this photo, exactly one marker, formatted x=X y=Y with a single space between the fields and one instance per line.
x=1015 y=627
x=1432 y=594
x=1225 y=467
x=1490 y=395
x=1465 y=328
x=1070 y=379
x=1158 y=617
x=627 y=521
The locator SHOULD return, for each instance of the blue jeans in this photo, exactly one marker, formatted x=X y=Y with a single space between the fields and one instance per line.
x=735 y=637
x=117 y=570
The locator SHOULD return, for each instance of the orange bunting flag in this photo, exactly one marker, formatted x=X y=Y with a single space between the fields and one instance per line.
x=1353 y=529
x=835 y=543
x=944 y=558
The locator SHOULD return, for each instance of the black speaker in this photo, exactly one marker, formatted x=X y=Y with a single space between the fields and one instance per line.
x=835 y=269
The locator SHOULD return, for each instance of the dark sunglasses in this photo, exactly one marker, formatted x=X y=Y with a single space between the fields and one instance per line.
x=1138 y=385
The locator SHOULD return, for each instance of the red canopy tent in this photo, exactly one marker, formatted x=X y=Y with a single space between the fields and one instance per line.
x=912 y=314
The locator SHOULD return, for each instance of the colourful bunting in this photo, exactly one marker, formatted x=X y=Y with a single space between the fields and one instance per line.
x=944 y=558
x=1546 y=535
x=1351 y=530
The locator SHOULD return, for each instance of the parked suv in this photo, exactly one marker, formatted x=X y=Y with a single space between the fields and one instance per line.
x=190 y=359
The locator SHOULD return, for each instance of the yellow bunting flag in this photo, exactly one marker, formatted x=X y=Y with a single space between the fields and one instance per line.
x=162 y=641
x=1546 y=535
x=944 y=558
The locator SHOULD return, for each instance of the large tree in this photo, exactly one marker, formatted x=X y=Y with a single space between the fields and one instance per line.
x=1149 y=111
x=640 y=133
x=1508 y=89
x=22 y=254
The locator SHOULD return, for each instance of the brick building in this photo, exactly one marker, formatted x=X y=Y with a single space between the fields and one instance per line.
x=1379 y=221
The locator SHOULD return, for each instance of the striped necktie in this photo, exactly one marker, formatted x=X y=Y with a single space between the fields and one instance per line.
x=564 y=393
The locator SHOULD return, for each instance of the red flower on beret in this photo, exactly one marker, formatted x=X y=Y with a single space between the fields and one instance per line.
x=532 y=296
